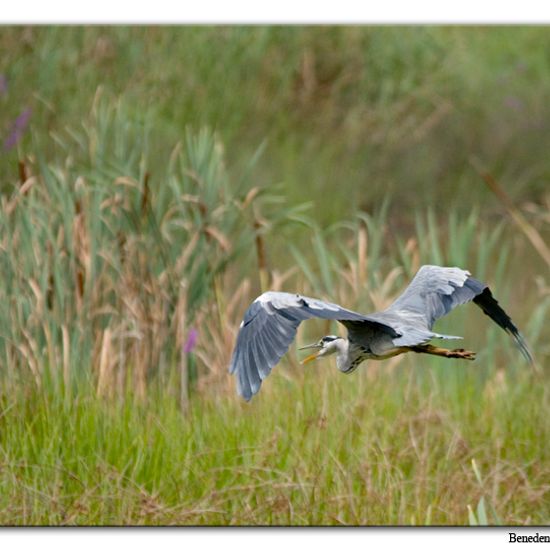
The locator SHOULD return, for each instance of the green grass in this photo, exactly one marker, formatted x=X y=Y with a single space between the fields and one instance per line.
x=315 y=447
x=169 y=175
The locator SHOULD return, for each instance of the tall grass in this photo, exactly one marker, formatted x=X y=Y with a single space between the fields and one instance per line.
x=108 y=266
x=314 y=448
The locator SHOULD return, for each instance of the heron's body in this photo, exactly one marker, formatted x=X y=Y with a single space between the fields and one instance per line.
x=352 y=353
x=271 y=321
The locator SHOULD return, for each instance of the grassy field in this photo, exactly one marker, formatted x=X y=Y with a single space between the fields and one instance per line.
x=153 y=181
x=397 y=447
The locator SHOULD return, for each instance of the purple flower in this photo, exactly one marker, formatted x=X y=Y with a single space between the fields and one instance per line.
x=191 y=341
x=18 y=127
x=3 y=84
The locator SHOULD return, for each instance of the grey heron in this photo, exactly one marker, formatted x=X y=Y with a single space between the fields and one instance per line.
x=270 y=324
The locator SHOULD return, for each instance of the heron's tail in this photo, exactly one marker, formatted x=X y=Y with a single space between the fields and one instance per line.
x=446 y=336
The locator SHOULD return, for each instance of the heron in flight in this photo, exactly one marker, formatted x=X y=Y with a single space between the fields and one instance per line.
x=270 y=323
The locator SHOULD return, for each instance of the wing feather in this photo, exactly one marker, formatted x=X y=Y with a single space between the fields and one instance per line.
x=491 y=308
x=434 y=292
x=242 y=376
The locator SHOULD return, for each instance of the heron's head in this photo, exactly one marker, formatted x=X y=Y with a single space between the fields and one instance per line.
x=327 y=345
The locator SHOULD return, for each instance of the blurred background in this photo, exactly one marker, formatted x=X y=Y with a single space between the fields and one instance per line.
x=376 y=111
x=155 y=180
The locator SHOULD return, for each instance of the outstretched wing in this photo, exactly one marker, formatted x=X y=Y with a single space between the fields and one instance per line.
x=435 y=291
x=268 y=329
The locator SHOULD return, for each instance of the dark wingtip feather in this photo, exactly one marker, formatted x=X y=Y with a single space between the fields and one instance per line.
x=523 y=347
x=490 y=307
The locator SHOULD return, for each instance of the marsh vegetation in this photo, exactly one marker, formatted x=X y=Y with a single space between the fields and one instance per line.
x=155 y=180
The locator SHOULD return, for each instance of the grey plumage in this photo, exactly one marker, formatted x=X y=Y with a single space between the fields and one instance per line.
x=270 y=323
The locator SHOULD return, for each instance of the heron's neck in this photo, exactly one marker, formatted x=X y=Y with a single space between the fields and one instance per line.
x=342 y=354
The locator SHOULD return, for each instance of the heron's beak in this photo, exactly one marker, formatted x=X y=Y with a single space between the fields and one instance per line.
x=313 y=356
x=309 y=358
x=311 y=346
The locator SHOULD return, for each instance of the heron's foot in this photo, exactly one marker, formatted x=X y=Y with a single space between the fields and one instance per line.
x=444 y=352
x=462 y=354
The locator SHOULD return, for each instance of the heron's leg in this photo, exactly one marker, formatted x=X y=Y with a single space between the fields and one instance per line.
x=442 y=352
